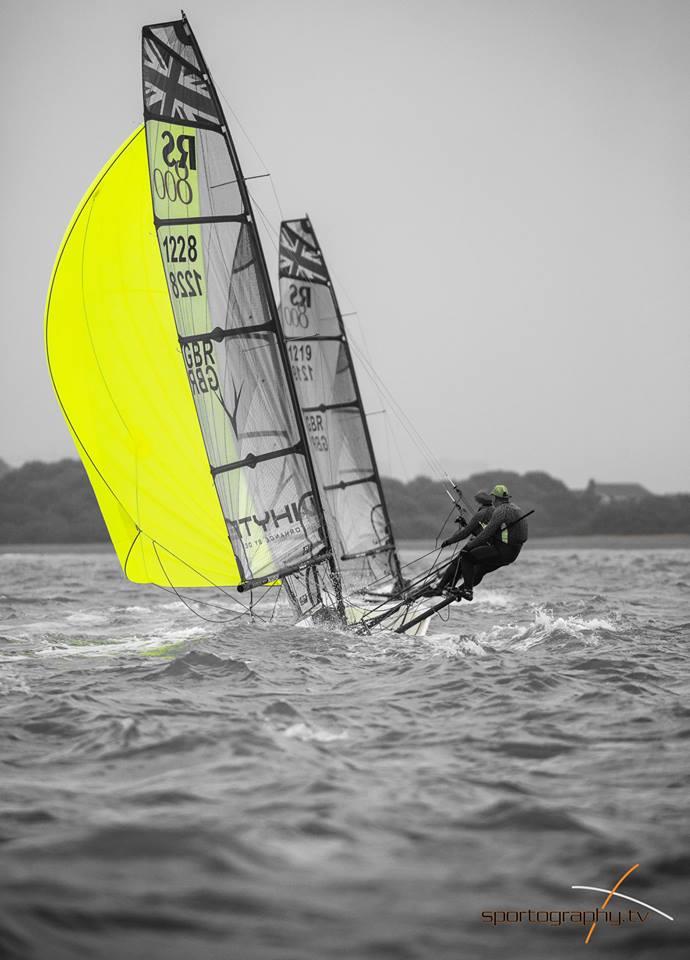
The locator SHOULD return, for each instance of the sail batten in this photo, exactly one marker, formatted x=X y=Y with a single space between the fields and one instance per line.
x=192 y=221
x=322 y=407
x=219 y=334
x=251 y=459
x=342 y=484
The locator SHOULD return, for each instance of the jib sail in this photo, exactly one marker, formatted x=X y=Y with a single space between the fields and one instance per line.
x=335 y=421
x=226 y=320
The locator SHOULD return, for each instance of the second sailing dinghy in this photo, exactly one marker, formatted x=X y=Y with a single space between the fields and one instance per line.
x=229 y=479
x=336 y=426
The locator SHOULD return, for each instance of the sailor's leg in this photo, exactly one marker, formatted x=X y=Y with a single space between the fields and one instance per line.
x=468 y=566
x=509 y=553
x=491 y=563
x=477 y=562
x=503 y=554
x=450 y=574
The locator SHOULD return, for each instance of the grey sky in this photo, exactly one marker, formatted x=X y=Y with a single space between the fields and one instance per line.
x=500 y=189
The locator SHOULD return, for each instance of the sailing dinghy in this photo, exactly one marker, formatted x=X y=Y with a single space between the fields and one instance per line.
x=331 y=407
x=182 y=384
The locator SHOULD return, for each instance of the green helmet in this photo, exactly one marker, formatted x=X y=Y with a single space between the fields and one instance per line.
x=500 y=491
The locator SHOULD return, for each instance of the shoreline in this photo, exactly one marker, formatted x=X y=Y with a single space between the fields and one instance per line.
x=599 y=541
x=589 y=541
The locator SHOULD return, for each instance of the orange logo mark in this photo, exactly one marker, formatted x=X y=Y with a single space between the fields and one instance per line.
x=606 y=902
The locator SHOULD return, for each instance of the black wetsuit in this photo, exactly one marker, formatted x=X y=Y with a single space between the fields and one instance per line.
x=475 y=524
x=499 y=544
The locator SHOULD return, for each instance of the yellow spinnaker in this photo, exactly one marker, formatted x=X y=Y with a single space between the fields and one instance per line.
x=120 y=380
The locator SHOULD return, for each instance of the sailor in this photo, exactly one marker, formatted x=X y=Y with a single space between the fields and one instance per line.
x=497 y=545
x=477 y=521
x=474 y=525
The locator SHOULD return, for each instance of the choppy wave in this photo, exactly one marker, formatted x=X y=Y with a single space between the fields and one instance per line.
x=177 y=788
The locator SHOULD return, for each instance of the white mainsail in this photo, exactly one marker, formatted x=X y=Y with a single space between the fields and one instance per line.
x=335 y=421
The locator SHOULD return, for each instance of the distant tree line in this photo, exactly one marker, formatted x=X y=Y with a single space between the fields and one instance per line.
x=419 y=508
x=54 y=503
x=49 y=503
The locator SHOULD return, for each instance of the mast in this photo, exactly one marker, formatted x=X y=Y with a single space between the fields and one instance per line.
x=198 y=106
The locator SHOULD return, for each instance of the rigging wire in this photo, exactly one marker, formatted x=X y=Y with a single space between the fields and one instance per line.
x=272 y=232
x=422 y=580
x=412 y=432
x=403 y=566
x=430 y=458
x=254 y=148
x=418 y=441
x=206 y=603
x=407 y=424
x=183 y=599
x=443 y=615
x=174 y=592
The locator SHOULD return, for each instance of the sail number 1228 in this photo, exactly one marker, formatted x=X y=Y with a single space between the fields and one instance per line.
x=186 y=283
x=181 y=249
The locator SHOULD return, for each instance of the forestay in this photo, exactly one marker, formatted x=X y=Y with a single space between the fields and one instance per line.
x=335 y=421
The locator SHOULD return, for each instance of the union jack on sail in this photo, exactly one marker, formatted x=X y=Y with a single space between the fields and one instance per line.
x=173 y=87
x=298 y=257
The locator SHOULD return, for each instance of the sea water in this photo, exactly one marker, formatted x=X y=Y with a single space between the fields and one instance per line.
x=186 y=788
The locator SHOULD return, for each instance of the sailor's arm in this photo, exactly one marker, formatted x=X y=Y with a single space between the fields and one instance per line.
x=472 y=526
x=458 y=535
x=492 y=527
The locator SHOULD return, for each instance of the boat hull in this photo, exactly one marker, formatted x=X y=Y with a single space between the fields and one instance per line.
x=356 y=616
